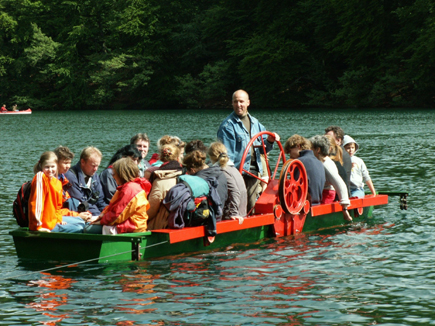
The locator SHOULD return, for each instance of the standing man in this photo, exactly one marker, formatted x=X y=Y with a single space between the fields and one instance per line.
x=235 y=132
x=85 y=183
x=338 y=134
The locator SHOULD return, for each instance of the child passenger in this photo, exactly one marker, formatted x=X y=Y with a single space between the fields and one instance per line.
x=359 y=174
x=64 y=158
x=45 y=201
x=127 y=211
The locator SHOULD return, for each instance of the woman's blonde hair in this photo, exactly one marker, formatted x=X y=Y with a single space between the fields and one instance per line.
x=45 y=157
x=218 y=153
x=335 y=151
x=166 y=139
x=126 y=169
x=169 y=152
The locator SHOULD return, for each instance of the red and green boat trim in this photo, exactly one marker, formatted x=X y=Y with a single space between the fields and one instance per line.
x=282 y=210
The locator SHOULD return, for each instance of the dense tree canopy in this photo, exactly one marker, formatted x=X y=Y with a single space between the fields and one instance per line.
x=97 y=54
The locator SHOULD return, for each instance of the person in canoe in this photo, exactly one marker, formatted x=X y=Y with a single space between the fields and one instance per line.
x=127 y=211
x=3 y=108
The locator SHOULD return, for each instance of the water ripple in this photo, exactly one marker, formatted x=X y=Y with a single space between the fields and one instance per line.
x=379 y=272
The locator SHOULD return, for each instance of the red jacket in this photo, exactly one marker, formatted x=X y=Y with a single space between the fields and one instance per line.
x=128 y=208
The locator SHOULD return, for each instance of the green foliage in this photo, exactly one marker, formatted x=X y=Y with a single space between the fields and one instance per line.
x=42 y=48
x=86 y=54
x=206 y=90
x=354 y=88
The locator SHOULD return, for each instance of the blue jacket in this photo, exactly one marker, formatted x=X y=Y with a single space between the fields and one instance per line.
x=80 y=191
x=179 y=201
x=233 y=134
x=108 y=184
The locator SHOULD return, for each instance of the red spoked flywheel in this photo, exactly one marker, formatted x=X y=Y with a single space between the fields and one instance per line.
x=258 y=138
x=293 y=186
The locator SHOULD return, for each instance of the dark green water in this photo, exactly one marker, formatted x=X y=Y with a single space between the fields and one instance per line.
x=375 y=273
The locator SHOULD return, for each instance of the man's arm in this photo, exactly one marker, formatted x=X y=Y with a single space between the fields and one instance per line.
x=268 y=140
x=228 y=139
x=74 y=191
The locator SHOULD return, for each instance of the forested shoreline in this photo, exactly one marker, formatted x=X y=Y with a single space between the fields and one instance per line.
x=130 y=54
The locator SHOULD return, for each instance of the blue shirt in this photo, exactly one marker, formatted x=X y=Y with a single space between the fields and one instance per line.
x=233 y=134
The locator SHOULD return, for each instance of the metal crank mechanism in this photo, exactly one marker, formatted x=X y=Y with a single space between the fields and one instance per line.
x=258 y=138
x=293 y=187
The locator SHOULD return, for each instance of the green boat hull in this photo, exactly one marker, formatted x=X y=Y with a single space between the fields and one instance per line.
x=67 y=247
x=316 y=223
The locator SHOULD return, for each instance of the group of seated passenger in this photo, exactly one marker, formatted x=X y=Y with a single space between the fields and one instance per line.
x=130 y=195
x=324 y=159
x=124 y=198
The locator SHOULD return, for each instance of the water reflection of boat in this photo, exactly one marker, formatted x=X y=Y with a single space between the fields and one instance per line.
x=47 y=302
x=28 y=111
x=281 y=210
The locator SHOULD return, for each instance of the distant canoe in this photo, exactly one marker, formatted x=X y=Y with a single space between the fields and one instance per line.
x=28 y=111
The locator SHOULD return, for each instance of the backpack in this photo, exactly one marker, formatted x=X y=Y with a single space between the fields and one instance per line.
x=198 y=209
x=20 y=208
x=199 y=213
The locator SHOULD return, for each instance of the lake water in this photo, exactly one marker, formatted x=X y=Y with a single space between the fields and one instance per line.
x=381 y=272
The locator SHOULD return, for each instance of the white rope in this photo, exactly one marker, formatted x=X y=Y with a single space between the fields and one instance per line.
x=80 y=262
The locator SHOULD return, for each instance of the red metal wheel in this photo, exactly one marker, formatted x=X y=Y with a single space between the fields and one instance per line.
x=258 y=142
x=293 y=186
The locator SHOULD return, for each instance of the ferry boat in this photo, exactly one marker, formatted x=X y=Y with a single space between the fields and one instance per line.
x=281 y=210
